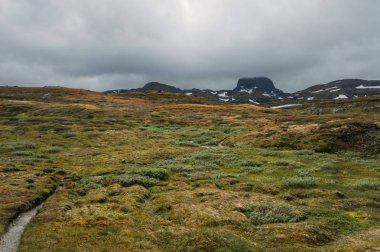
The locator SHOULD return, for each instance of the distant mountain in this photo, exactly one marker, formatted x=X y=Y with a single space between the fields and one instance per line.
x=151 y=86
x=259 y=90
x=339 y=89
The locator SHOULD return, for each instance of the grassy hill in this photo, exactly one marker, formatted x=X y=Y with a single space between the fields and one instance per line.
x=169 y=172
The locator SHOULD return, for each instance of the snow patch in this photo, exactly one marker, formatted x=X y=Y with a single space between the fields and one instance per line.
x=340 y=97
x=287 y=105
x=310 y=98
x=249 y=91
x=366 y=87
x=331 y=88
x=334 y=90
x=252 y=101
x=314 y=92
x=189 y=93
x=224 y=94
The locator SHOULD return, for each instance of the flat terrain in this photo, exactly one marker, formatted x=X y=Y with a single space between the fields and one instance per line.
x=169 y=172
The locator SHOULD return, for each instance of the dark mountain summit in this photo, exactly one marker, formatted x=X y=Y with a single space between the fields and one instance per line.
x=151 y=86
x=259 y=83
x=156 y=86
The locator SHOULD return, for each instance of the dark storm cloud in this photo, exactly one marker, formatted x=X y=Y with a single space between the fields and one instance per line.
x=188 y=43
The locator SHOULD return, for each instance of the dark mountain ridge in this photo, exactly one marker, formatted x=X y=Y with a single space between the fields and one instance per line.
x=262 y=90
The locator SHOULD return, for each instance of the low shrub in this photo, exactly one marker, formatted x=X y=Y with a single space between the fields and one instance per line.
x=225 y=175
x=88 y=185
x=266 y=213
x=51 y=150
x=367 y=184
x=300 y=182
x=69 y=135
x=251 y=169
x=250 y=163
x=22 y=146
x=22 y=153
x=135 y=179
x=287 y=163
x=157 y=173
x=271 y=153
x=305 y=153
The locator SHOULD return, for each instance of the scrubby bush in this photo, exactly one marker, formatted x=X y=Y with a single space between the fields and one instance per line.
x=288 y=163
x=271 y=153
x=367 y=184
x=251 y=169
x=266 y=213
x=69 y=135
x=251 y=163
x=300 y=182
x=305 y=152
x=51 y=149
x=225 y=175
x=22 y=145
x=88 y=185
x=157 y=173
x=135 y=179
x=22 y=153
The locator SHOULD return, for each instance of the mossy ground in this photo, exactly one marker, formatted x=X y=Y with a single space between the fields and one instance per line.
x=163 y=172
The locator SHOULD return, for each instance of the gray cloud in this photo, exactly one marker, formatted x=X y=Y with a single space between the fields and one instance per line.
x=188 y=43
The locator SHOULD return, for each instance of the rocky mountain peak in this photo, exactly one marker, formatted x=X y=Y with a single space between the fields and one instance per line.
x=263 y=84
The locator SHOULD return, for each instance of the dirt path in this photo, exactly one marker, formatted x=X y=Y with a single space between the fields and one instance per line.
x=11 y=238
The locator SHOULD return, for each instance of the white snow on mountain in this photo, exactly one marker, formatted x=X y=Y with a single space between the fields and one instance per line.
x=285 y=106
x=341 y=97
x=366 y=87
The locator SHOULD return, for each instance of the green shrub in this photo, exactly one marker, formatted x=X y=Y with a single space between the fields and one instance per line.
x=88 y=185
x=157 y=173
x=251 y=169
x=135 y=179
x=22 y=153
x=251 y=163
x=225 y=175
x=266 y=213
x=51 y=150
x=305 y=152
x=15 y=146
x=288 y=163
x=271 y=153
x=69 y=135
x=300 y=182
x=367 y=184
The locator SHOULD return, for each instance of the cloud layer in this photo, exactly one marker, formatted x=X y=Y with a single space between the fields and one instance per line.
x=111 y=44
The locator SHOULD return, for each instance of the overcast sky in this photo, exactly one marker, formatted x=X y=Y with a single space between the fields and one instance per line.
x=111 y=44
